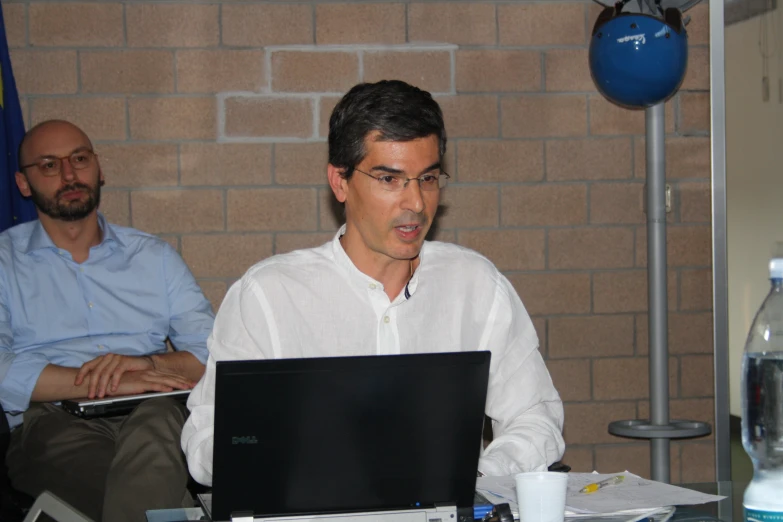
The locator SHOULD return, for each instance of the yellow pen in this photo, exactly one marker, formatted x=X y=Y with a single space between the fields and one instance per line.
x=611 y=481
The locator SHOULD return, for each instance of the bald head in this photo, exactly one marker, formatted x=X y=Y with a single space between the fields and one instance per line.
x=59 y=172
x=49 y=135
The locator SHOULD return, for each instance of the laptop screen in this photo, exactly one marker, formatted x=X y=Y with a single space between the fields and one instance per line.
x=347 y=434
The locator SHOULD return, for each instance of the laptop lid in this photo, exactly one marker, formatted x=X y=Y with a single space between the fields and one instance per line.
x=347 y=434
x=89 y=408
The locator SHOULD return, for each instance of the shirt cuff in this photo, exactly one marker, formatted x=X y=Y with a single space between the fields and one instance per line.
x=198 y=451
x=20 y=380
x=199 y=352
x=491 y=466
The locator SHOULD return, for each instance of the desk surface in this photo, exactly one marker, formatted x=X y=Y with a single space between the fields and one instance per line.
x=726 y=510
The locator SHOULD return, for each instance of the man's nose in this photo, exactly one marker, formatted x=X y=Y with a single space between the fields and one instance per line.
x=413 y=199
x=67 y=172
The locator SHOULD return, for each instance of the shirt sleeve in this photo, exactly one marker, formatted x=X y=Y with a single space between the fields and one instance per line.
x=19 y=372
x=191 y=316
x=243 y=330
x=525 y=408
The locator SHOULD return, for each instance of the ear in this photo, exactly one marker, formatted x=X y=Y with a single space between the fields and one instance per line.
x=22 y=183
x=337 y=182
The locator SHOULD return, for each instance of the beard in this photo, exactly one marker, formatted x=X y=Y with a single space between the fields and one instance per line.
x=68 y=210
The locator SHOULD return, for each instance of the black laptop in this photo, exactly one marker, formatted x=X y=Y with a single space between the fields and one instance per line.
x=347 y=434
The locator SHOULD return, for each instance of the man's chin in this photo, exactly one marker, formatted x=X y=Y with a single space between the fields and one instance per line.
x=71 y=217
x=74 y=212
x=408 y=250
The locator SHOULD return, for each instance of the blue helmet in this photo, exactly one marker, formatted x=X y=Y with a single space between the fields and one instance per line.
x=638 y=60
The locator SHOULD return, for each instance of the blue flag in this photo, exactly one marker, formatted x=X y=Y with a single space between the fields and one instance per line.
x=14 y=209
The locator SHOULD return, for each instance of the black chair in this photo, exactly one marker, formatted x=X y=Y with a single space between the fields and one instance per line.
x=13 y=504
x=561 y=467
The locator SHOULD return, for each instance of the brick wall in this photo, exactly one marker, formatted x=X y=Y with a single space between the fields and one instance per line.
x=210 y=119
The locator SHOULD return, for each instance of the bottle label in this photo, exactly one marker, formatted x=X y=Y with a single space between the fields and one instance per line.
x=756 y=515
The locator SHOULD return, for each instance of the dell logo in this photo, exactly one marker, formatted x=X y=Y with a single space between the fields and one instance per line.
x=248 y=439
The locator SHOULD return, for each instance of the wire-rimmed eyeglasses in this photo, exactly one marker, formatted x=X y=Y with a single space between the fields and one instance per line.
x=398 y=182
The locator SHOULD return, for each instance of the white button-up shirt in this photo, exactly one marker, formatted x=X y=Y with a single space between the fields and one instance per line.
x=316 y=303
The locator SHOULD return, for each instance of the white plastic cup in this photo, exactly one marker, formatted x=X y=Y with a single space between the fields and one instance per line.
x=541 y=496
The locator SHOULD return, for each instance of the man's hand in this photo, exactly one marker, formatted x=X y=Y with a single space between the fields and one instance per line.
x=141 y=381
x=105 y=372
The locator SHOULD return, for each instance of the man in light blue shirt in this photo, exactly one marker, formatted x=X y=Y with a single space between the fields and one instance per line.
x=86 y=308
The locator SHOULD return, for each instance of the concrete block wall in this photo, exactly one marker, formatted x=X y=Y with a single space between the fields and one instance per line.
x=210 y=118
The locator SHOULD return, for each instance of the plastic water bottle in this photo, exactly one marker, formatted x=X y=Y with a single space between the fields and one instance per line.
x=762 y=404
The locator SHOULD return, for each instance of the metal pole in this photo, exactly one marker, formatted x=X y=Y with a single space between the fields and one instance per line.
x=660 y=429
x=656 y=288
x=720 y=276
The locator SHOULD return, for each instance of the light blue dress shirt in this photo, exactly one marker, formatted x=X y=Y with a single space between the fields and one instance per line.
x=132 y=293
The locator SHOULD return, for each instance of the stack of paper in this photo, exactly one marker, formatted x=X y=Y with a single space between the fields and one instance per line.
x=634 y=496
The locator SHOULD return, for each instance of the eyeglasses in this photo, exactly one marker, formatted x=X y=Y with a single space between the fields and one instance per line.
x=53 y=166
x=398 y=182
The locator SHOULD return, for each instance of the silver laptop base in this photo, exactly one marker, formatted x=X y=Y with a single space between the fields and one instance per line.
x=56 y=508
x=440 y=514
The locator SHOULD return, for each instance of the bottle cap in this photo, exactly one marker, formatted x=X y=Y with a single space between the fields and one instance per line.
x=776 y=268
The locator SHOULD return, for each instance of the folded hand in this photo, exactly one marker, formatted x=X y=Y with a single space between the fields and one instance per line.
x=105 y=372
x=141 y=381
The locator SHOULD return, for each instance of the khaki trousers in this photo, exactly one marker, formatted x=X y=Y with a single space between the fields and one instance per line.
x=112 y=469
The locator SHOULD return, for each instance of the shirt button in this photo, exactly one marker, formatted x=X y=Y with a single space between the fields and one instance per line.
x=89 y=304
x=386 y=319
x=372 y=286
x=81 y=269
x=100 y=347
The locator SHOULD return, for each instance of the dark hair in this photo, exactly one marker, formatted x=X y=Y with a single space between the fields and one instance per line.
x=399 y=111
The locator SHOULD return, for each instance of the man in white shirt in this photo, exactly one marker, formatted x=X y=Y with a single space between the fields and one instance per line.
x=378 y=288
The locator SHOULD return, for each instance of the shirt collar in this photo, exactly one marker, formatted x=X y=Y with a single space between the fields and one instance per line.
x=359 y=279
x=109 y=234
x=39 y=239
